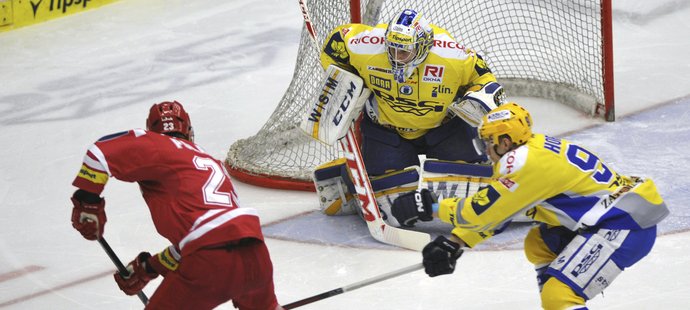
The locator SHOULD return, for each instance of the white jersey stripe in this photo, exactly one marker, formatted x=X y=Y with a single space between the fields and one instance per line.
x=102 y=164
x=216 y=222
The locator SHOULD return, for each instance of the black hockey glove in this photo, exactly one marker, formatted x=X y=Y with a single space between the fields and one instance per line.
x=440 y=256
x=413 y=206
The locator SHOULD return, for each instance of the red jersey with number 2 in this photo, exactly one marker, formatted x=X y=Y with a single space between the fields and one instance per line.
x=189 y=193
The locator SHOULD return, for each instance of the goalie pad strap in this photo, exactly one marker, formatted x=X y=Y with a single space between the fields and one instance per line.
x=333 y=169
x=394 y=179
x=392 y=185
x=335 y=188
x=446 y=167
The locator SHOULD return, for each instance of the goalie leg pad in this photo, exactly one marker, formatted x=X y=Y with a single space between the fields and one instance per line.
x=335 y=188
x=454 y=178
x=392 y=185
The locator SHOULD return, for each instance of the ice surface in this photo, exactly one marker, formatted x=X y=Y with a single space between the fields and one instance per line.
x=65 y=83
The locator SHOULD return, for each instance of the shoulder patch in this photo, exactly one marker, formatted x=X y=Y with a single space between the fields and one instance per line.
x=484 y=198
x=335 y=48
x=480 y=66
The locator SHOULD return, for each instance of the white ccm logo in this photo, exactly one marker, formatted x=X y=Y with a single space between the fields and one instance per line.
x=345 y=104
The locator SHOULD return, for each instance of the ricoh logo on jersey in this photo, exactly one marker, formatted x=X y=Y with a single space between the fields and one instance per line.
x=433 y=74
x=367 y=40
x=448 y=44
x=510 y=162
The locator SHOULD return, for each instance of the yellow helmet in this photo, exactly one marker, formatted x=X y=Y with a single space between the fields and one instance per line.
x=507 y=119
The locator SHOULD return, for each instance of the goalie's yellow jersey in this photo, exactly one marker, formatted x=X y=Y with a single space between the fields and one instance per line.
x=421 y=102
x=558 y=183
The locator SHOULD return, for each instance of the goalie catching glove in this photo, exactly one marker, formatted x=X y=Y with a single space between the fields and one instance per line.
x=145 y=268
x=475 y=104
x=417 y=205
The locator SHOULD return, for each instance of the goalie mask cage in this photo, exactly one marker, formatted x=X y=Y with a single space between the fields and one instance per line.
x=555 y=49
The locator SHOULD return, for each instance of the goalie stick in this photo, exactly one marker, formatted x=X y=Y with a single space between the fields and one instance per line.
x=353 y=286
x=378 y=228
x=120 y=267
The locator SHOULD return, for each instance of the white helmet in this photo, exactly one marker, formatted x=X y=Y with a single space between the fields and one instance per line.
x=409 y=38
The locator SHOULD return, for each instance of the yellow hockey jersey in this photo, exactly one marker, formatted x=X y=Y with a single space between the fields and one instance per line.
x=421 y=102
x=558 y=183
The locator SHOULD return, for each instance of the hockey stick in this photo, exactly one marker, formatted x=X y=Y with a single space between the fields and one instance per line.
x=120 y=267
x=409 y=239
x=353 y=286
x=378 y=228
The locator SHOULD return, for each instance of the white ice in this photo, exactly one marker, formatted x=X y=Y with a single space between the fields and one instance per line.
x=65 y=83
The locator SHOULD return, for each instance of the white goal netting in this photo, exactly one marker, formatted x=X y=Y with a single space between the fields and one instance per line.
x=548 y=48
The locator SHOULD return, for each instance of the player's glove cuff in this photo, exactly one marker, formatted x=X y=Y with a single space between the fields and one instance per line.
x=165 y=261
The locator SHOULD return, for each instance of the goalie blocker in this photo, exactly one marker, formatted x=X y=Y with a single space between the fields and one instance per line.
x=329 y=122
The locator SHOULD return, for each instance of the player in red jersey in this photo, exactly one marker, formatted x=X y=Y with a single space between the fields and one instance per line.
x=217 y=252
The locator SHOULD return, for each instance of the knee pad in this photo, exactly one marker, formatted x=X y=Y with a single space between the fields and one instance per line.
x=556 y=295
x=390 y=186
x=335 y=188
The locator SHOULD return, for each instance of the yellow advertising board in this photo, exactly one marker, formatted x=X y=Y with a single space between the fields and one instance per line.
x=20 y=13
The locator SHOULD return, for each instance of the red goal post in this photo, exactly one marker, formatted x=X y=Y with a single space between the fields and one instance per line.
x=555 y=49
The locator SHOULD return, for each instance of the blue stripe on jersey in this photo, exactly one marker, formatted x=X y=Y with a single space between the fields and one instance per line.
x=618 y=219
x=113 y=136
x=574 y=207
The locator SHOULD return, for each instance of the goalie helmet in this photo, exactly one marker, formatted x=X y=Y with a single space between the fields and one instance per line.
x=169 y=117
x=508 y=119
x=408 y=38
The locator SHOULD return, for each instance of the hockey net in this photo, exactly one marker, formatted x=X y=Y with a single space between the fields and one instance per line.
x=555 y=49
